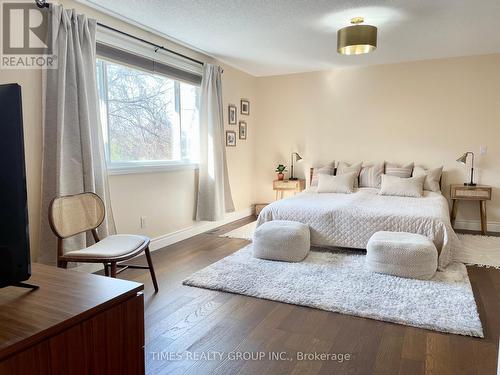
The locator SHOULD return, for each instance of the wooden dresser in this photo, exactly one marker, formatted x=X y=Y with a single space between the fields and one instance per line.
x=75 y=323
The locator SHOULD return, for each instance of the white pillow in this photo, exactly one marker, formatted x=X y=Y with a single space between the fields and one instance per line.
x=344 y=168
x=370 y=175
x=337 y=184
x=393 y=169
x=401 y=186
x=432 y=177
x=327 y=169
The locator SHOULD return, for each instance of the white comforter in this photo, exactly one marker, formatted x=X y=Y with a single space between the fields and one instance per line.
x=349 y=220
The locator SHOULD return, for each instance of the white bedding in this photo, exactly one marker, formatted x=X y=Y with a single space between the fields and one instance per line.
x=349 y=220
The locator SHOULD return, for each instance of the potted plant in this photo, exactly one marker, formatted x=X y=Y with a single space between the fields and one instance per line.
x=280 y=169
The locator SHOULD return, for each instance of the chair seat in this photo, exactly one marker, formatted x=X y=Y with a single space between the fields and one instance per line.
x=114 y=246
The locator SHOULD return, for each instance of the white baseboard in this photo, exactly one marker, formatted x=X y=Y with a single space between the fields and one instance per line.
x=493 y=226
x=198 y=228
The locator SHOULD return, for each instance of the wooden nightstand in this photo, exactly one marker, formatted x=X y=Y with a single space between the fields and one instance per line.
x=280 y=186
x=479 y=193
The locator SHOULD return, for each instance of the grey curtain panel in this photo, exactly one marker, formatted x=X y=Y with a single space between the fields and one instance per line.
x=214 y=192
x=73 y=153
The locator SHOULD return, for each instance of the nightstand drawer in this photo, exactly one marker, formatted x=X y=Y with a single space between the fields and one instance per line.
x=287 y=184
x=470 y=192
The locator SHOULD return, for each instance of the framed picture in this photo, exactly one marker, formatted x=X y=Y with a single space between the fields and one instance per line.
x=243 y=130
x=230 y=138
x=245 y=107
x=231 y=114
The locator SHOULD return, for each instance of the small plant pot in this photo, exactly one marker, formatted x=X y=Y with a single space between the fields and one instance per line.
x=281 y=176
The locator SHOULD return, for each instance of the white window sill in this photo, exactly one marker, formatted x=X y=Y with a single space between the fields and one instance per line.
x=132 y=168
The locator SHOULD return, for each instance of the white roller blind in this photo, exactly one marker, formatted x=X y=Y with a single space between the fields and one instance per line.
x=142 y=62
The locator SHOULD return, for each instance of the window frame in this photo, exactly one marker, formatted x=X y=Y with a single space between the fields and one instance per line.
x=144 y=166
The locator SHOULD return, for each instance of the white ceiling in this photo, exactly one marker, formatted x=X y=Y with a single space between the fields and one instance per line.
x=270 y=37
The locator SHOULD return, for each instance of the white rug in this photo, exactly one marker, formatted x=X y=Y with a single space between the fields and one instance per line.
x=337 y=281
x=245 y=232
x=478 y=250
x=483 y=251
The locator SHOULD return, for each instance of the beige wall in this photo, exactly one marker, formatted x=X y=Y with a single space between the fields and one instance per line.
x=429 y=112
x=167 y=199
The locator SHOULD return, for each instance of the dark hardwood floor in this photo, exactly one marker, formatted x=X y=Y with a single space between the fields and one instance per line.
x=192 y=322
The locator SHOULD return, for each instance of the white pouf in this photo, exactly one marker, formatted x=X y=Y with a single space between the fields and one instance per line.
x=283 y=240
x=402 y=254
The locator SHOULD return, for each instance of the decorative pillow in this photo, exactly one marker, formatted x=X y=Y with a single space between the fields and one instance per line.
x=371 y=175
x=393 y=169
x=337 y=184
x=432 y=177
x=401 y=186
x=328 y=169
x=344 y=168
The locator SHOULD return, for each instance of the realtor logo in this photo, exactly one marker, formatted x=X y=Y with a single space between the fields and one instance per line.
x=26 y=37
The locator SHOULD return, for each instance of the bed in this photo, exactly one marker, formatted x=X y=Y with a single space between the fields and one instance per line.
x=349 y=220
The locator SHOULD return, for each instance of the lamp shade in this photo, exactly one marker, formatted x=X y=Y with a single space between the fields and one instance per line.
x=463 y=159
x=298 y=157
x=356 y=40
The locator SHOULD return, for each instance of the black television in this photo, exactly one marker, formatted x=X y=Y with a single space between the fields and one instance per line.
x=14 y=234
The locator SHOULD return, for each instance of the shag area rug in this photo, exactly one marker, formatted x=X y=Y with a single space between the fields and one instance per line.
x=245 y=232
x=337 y=281
x=475 y=250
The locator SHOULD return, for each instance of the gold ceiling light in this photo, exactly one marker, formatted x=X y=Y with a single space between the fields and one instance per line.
x=356 y=39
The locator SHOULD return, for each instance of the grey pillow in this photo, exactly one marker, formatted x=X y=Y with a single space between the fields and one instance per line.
x=432 y=177
x=344 y=168
x=371 y=175
x=337 y=184
x=401 y=186
x=328 y=169
x=393 y=169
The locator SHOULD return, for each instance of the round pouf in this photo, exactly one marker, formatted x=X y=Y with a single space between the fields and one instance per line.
x=402 y=254
x=283 y=240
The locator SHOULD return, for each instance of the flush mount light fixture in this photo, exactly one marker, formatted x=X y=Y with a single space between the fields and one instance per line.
x=356 y=39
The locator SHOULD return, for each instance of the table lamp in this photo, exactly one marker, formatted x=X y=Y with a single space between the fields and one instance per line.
x=297 y=158
x=463 y=160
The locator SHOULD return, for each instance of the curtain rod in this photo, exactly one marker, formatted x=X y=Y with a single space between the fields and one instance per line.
x=45 y=4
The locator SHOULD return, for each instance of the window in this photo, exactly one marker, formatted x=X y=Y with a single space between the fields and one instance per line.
x=149 y=120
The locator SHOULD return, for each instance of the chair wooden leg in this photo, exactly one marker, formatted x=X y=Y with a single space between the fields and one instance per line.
x=151 y=268
x=106 y=269
x=113 y=269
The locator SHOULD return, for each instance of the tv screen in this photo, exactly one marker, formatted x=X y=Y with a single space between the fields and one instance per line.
x=14 y=238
